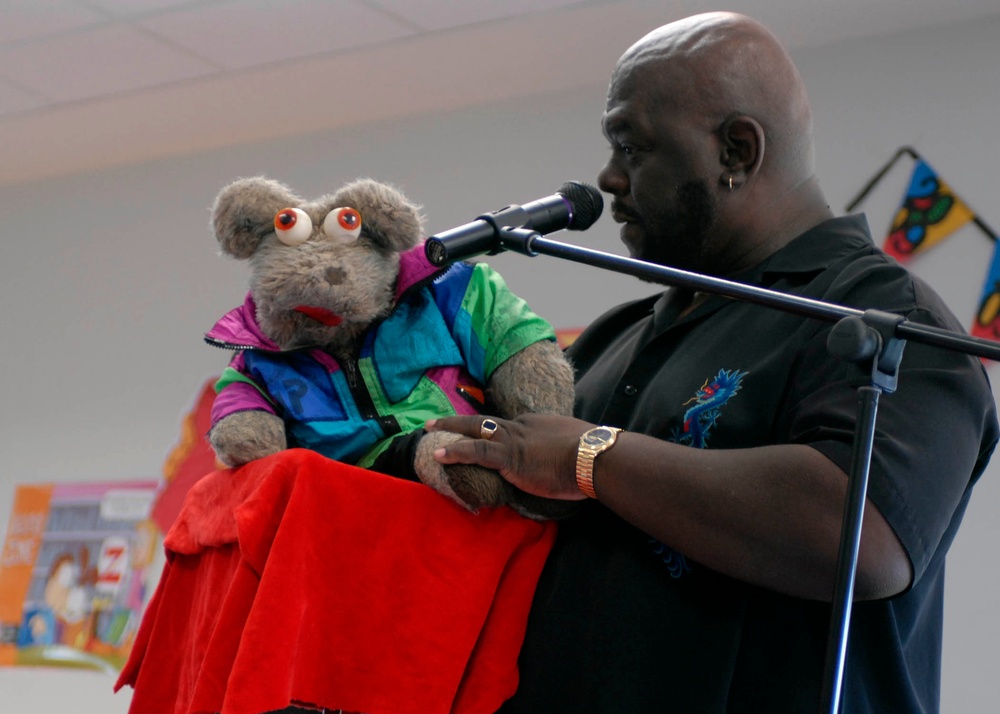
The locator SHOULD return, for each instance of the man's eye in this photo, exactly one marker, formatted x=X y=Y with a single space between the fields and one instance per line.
x=624 y=148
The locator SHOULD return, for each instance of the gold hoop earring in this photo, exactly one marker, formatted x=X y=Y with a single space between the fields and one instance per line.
x=730 y=182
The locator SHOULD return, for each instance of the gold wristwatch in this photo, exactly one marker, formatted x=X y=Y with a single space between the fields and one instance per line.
x=592 y=443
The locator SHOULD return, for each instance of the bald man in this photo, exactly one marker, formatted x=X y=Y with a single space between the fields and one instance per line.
x=698 y=575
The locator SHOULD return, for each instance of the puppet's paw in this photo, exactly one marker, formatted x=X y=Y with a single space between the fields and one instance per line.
x=470 y=486
x=539 y=508
x=244 y=436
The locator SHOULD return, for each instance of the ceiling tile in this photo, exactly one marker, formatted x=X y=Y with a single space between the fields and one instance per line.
x=30 y=19
x=13 y=99
x=246 y=33
x=111 y=59
x=440 y=14
x=131 y=8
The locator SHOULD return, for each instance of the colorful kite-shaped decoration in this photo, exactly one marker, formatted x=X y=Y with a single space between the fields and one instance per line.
x=930 y=212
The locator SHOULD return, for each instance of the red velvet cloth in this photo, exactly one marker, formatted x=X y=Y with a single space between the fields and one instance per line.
x=300 y=580
x=189 y=461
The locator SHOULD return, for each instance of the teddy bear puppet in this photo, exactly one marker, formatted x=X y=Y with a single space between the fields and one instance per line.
x=350 y=339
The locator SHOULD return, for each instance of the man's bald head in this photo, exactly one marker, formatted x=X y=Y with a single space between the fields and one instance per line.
x=719 y=65
x=711 y=164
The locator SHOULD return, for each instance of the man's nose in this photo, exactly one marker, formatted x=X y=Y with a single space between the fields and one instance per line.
x=611 y=180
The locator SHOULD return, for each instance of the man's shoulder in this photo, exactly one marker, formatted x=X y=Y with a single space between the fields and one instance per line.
x=615 y=320
x=630 y=311
x=854 y=272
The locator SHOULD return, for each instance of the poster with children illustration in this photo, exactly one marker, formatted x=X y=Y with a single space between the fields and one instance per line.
x=73 y=573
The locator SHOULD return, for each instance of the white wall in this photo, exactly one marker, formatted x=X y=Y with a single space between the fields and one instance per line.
x=108 y=280
x=938 y=92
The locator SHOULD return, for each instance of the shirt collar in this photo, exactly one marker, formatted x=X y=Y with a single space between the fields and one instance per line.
x=815 y=249
x=811 y=252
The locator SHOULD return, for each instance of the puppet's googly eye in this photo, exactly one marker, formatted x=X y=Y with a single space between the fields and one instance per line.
x=292 y=226
x=343 y=223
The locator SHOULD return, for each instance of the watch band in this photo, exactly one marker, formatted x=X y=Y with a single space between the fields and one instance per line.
x=592 y=442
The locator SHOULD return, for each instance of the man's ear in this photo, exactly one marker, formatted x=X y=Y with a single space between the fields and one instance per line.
x=742 y=143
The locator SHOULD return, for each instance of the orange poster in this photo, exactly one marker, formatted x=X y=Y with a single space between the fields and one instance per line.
x=73 y=573
x=565 y=337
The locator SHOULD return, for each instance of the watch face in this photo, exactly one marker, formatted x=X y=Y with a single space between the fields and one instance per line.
x=595 y=437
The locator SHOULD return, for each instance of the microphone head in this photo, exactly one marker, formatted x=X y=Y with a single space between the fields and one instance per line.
x=586 y=202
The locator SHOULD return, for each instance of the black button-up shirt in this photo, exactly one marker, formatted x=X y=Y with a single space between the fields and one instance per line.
x=624 y=624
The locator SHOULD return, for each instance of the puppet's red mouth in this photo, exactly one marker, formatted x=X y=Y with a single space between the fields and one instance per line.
x=320 y=314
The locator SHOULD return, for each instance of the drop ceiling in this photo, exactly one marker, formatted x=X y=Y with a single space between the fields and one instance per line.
x=86 y=84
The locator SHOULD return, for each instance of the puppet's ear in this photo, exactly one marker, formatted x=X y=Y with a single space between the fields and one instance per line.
x=243 y=213
x=388 y=217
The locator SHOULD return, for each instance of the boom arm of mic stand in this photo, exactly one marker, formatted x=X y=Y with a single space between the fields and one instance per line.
x=533 y=244
x=871 y=337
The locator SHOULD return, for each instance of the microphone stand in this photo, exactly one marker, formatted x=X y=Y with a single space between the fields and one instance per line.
x=873 y=339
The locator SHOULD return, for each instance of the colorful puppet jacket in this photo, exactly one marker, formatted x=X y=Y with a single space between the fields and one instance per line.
x=431 y=357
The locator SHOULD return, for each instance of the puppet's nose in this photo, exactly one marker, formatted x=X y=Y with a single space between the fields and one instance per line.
x=335 y=276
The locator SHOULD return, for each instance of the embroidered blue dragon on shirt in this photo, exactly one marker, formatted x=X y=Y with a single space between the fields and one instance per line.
x=699 y=420
x=702 y=416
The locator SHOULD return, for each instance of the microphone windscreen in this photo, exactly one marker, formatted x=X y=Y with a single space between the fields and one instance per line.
x=586 y=201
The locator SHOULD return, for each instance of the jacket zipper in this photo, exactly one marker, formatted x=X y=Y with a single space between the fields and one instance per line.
x=363 y=398
x=222 y=344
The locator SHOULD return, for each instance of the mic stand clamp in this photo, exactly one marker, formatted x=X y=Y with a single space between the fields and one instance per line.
x=868 y=341
x=520 y=240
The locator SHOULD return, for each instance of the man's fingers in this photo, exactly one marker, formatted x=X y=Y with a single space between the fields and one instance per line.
x=471 y=426
x=478 y=451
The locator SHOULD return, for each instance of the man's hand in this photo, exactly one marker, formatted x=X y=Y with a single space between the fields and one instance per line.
x=535 y=452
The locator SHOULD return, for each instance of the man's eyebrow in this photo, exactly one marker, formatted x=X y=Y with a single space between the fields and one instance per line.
x=613 y=126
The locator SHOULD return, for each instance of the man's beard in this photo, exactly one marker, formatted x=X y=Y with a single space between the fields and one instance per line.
x=682 y=234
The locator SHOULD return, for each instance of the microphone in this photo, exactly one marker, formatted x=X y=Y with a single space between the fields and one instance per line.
x=575 y=206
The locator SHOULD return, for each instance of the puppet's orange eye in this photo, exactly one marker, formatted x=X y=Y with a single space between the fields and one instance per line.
x=343 y=223
x=292 y=226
